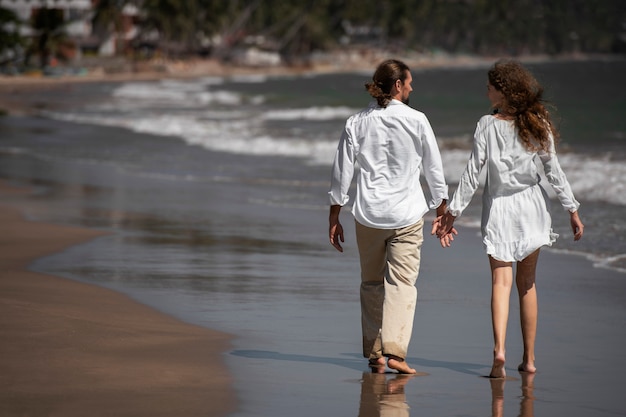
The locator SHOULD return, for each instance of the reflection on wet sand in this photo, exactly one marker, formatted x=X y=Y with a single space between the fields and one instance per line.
x=382 y=397
x=527 y=397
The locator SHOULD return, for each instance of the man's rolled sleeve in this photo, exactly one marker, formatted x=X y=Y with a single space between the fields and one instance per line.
x=433 y=168
x=342 y=172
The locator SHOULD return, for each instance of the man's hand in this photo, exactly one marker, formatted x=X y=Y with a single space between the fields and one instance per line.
x=336 y=236
x=441 y=210
x=335 y=229
x=443 y=227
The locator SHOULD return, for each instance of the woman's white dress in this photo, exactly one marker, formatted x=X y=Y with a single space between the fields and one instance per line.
x=515 y=217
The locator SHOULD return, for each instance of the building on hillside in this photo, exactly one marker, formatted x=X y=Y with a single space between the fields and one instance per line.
x=77 y=16
x=76 y=12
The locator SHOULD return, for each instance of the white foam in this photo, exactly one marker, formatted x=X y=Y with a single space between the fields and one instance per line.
x=595 y=178
x=142 y=91
x=612 y=262
x=211 y=80
x=592 y=178
x=175 y=93
x=249 y=78
x=188 y=83
x=310 y=113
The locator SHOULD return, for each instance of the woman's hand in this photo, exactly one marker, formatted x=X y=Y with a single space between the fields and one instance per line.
x=577 y=225
x=443 y=227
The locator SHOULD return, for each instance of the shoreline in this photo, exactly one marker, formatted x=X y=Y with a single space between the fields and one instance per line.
x=12 y=87
x=74 y=349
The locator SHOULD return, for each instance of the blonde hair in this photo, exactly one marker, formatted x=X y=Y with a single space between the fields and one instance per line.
x=523 y=95
x=387 y=73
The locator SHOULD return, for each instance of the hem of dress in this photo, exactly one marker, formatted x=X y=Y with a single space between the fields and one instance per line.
x=518 y=251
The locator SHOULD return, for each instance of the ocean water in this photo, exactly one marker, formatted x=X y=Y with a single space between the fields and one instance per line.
x=214 y=191
x=284 y=130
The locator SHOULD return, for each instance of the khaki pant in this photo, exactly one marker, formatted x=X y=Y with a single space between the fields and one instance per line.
x=390 y=261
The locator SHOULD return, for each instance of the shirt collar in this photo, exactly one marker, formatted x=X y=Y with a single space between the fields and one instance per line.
x=393 y=102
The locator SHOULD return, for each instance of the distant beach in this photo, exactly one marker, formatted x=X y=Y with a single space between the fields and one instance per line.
x=15 y=85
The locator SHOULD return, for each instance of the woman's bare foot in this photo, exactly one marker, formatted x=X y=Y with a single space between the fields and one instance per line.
x=527 y=367
x=497 y=369
x=400 y=365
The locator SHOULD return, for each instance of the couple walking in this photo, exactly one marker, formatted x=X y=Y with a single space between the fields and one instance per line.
x=388 y=145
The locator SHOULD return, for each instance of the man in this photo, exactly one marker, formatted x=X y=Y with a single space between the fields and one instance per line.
x=386 y=145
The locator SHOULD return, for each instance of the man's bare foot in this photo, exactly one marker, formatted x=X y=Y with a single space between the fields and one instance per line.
x=497 y=369
x=400 y=365
x=377 y=365
x=527 y=367
x=377 y=362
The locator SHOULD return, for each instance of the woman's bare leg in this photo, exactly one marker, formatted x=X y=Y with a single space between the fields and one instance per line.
x=501 y=283
x=527 y=291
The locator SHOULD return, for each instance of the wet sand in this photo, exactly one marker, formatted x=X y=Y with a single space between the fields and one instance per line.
x=580 y=342
x=72 y=349
x=75 y=349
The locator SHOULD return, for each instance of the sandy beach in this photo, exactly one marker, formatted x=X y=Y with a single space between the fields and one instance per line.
x=72 y=349
x=237 y=243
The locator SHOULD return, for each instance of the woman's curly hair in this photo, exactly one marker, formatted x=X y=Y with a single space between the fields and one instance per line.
x=523 y=95
x=387 y=73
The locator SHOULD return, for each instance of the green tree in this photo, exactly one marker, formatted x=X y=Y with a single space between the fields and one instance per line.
x=11 y=42
x=296 y=27
x=184 y=26
x=49 y=26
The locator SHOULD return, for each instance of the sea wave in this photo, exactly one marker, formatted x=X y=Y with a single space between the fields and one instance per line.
x=595 y=178
x=612 y=262
x=592 y=177
x=310 y=113
x=248 y=78
x=175 y=94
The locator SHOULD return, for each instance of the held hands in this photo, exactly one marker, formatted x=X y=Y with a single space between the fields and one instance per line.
x=443 y=227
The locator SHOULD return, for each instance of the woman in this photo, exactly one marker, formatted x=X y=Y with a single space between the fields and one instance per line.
x=515 y=217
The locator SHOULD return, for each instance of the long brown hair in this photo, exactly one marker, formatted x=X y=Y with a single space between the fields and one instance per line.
x=387 y=73
x=523 y=95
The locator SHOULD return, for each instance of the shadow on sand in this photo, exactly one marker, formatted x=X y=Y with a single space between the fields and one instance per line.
x=356 y=362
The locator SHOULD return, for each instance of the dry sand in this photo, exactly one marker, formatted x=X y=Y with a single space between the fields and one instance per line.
x=72 y=349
